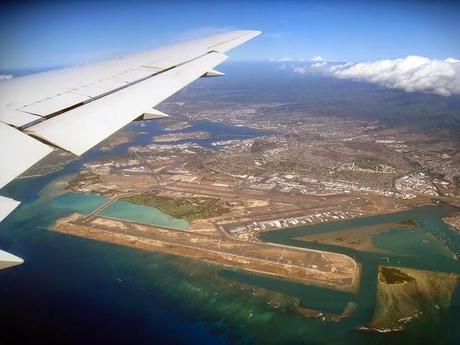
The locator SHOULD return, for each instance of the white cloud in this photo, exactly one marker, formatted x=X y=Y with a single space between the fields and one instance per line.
x=316 y=59
x=319 y=64
x=412 y=73
x=300 y=69
x=285 y=59
x=5 y=76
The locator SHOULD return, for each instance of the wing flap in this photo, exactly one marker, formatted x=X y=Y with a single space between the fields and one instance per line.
x=137 y=74
x=54 y=104
x=99 y=88
x=7 y=206
x=79 y=129
x=16 y=118
x=18 y=152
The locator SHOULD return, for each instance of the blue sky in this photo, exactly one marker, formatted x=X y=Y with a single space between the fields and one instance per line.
x=45 y=34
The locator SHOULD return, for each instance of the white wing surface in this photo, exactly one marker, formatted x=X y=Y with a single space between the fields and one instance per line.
x=8 y=260
x=76 y=108
x=81 y=128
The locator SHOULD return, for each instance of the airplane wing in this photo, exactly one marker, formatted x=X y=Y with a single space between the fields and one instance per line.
x=76 y=108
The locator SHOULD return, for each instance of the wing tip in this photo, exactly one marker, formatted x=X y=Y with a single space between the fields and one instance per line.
x=240 y=37
x=7 y=205
x=253 y=33
x=8 y=260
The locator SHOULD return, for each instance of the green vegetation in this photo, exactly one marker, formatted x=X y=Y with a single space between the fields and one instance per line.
x=186 y=208
x=411 y=223
x=369 y=162
x=390 y=275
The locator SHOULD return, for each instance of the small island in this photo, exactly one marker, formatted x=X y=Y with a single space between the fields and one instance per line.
x=404 y=295
x=178 y=126
x=181 y=136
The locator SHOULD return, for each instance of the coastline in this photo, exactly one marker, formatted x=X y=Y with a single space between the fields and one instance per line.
x=324 y=269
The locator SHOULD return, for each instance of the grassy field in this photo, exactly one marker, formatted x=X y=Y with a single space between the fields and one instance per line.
x=369 y=162
x=186 y=208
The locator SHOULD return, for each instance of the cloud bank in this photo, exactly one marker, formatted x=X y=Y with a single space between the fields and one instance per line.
x=412 y=73
x=317 y=59
x=5 y=76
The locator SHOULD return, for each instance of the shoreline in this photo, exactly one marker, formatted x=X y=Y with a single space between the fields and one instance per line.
x=324 y=269
x=23 y=177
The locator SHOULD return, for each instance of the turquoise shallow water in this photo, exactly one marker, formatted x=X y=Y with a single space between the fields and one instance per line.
x=82 y=203
x=143 y=214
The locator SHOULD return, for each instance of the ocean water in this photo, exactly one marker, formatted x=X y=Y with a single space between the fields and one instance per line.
x=72 y=290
